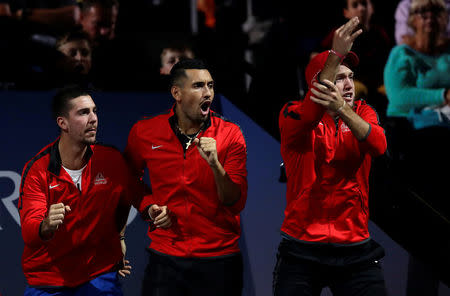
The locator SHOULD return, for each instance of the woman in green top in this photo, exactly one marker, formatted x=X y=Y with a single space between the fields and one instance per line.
x=417 y=74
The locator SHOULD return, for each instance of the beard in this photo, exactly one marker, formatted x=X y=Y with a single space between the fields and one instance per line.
x=89 y=140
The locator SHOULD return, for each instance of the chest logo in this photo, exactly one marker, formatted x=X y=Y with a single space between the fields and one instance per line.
x=156 y=147
x=100 y=179
x=53 y=186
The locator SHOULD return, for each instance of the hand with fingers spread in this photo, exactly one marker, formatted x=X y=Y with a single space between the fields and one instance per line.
x=345 y=36
x=55 y=217
x=208 y=150
x=327 y=95
x=160 y=216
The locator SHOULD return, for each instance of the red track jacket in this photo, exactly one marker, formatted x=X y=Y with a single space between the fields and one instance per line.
x=87 y=243
x=183 y=181
x=327 y=173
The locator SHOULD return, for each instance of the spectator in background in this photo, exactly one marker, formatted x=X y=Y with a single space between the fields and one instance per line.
x=109 y=67
x=59 y=15
x=417 y=84
x=373 y=49
x=75 y=63
x=416 y=74
x=171 y=55
x=401 y=20
x=69 y=62
x=28 y=31
x=99 y=18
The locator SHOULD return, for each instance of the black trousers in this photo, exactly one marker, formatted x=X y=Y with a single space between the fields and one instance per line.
x=294 y=276
x=175 y=276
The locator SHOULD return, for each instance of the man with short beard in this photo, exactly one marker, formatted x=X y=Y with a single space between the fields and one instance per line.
x=74 y=201
x=197 y=167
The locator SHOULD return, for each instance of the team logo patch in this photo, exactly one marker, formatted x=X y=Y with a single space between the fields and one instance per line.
x=100 y=179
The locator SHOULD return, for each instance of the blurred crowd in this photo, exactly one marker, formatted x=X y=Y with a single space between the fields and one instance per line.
x=257 y=49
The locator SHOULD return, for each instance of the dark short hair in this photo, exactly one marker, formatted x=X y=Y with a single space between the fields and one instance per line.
x=179 y=69
x=61 y=100
x=86 y=4
x=344 y=4
x=75 y=35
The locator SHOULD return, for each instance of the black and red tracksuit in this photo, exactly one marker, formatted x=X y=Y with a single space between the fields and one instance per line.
x=183 y=181
x=87 y=244
x=327 y=172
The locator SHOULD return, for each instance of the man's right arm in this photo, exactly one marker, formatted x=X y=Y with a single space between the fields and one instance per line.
x=32 y=205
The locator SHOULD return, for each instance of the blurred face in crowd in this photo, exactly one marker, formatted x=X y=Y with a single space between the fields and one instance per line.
x=78 y=58
x=170 y=57
x=345 y=84
x=360 y=8
x=100 y=22
x=194 y=94
x=428 y=18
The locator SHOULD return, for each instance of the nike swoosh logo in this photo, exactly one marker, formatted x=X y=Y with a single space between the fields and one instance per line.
x=53 y=186
x=156 y=147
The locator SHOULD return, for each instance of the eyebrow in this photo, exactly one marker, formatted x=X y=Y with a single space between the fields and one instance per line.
x=344 y=74
x=86 y=109
x=201 y=82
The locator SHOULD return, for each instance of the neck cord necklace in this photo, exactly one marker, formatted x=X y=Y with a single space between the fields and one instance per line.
x=190 y=137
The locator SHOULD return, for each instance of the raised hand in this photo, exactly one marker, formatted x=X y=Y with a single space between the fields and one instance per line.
x=345 y=35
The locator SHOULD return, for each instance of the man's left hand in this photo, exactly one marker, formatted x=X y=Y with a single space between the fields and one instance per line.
x=125 y=267
x=327 y=95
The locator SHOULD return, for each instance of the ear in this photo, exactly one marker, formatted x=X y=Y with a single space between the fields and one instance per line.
x=175 y=90
x=62 y=123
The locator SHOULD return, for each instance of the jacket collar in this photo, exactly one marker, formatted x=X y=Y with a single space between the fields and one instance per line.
x=55 y=163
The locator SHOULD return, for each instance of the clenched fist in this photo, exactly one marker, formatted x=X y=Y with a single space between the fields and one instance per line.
x=55 y=217
x=207 y=149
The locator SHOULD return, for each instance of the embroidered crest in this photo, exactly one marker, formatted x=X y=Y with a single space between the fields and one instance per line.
x=100 y=179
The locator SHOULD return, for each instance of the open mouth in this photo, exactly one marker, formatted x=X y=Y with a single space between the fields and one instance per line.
x=348 y=96
x=205 y=107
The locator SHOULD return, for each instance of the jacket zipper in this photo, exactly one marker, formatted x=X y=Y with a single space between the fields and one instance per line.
x=189 y=247
x=336 y=124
